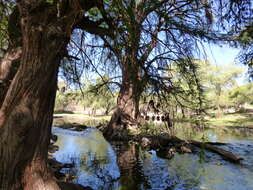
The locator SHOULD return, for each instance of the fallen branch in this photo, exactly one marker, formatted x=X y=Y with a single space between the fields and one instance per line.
x=224 y=153
x=216 y=143
x=208 y=146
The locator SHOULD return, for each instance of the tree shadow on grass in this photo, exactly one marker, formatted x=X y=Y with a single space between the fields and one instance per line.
x=62 y=112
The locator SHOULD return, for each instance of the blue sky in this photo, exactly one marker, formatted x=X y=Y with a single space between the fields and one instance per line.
x=225 y=55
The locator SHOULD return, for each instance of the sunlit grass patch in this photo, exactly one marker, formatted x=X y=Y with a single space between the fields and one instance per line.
x=233 y=120
x=65 y=119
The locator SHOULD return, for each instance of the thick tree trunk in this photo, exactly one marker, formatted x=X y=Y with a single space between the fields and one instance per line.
x=126 y=115
x=27 y=109
x=27 y=102
x=26 y=118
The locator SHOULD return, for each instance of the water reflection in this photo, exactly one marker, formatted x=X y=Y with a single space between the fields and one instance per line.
x=214 y=174
x=94 y=159
x=130 y=166
x=214 y=134
x=127 y=167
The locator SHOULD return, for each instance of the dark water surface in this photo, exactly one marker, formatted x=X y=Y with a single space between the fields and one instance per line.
x=126 y=167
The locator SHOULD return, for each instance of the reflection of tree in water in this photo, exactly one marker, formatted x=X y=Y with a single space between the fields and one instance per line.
x=142 y=170
x=95 y=163
x=129 y=161
x=241 y=132
x=70 y=174
x=221 y=134
x=99 y=167
x=156 y=172
x=89 y=168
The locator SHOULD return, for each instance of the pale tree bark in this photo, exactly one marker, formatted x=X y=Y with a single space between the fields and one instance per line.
x=26 y=111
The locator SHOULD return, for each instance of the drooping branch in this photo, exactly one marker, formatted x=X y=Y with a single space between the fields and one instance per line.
x=94 y=27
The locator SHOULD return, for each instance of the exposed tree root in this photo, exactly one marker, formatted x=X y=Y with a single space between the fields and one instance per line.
x=169 y=145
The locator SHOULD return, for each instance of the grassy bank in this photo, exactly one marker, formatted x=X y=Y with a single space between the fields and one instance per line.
x=227 y=120
x=68 y=119
x=233 y=120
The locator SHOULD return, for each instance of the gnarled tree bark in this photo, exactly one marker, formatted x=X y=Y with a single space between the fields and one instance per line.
x=8 y=68
x=26 y=109
x=126 y=115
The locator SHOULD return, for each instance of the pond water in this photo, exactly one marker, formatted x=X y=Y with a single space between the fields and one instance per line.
x=127 y=167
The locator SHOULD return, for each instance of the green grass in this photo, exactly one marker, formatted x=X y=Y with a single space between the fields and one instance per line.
x=233 y=120
x=66 y=119
x=227 y=120
x=243 y=119
x=63 y=112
